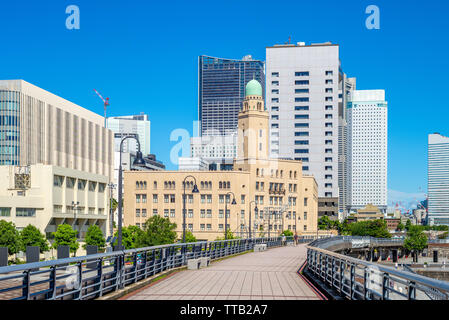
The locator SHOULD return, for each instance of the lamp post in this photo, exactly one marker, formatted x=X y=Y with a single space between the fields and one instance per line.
x=138 y=162
x=195 y=190
x=75 y=208
x=255 y=210
x=226 y=211
x=111 y=187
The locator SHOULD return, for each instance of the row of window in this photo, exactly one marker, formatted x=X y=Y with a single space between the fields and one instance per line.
x=20 y=212
x=58 y=181
x=275 y=173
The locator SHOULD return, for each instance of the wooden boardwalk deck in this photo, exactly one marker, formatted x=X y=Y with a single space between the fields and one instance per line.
x=268 y=275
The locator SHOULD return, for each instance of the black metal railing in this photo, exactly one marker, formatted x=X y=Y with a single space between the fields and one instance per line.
x=93 y=276
x=357 y=279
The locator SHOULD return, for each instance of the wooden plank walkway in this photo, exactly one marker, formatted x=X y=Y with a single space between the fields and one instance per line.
x=268 y=275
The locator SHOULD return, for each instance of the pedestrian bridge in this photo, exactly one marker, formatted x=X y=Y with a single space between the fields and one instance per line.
x=277 y=273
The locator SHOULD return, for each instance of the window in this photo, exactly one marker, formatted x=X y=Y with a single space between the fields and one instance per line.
x=275 y=125
x=209 y=213
x=302 y=134
x=329 y=107
x=172 y=213
x=275 y=74
x=301 y=108
x=302 y=99
x=155 y=198
x=202 y=226
x=209 y=226
x=221 y=213
x=172 y=198
x=209 y=198
x=70 y=182
x=274 y=108
x=137 y=212
x=328 y=133
x=190 y=214
x=166 y=198
x=305 y=202
x=101 y=187
x=165 y=213
x=301 y=82
x=275 y=83
x=203 y=213
x=274 y=117
x=329 y=73
x=329 y=81
x=305 y=168
x=144 y=198
x=301 y=90
x=137 y=198
x=243 y=197
x=301 y=116
x=328 y=90
x=299 y=142
x=92 y=186
x=5 y=212
x=301 y=150
x=203 y=198
x=328 y=116
x=25 y=212
x=274 y=99
x=58 y=181
x=190 y=227
x=220 y=226
x=81 y=184
x=302 y=74
x=154 y=212
x=275 y=91
x=329 y=99
x=301 y=125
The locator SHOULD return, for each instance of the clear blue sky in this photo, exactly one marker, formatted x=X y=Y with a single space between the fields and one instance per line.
x=143 y=55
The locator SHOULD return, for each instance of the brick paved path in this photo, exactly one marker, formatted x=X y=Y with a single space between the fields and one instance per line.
x=268 y=275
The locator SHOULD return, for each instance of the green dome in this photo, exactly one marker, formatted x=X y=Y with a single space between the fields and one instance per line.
x=253 y=88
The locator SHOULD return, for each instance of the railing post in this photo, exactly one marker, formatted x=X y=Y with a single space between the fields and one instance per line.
x=342 y=270
x=352 y=282
x=366 y=278
x=385 y=280
x=80 y=271
x=100 y=274
x=411 y=290
x=26 y=284
x=52 y=282
x=134 y=279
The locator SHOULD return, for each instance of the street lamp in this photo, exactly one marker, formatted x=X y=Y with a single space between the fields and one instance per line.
x=111 y=213
x=194 y=190
x=138 y=162
x=255 y=210
x=226 y=211
x=75 y=208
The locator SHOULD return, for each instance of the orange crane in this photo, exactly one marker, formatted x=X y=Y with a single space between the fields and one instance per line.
x=106 y=104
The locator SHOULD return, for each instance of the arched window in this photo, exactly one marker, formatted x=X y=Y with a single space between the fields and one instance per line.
x=137 y=184
x=220 y=185
x=228 y=185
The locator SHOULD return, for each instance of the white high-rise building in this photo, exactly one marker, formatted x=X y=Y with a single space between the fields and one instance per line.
x=366 y=151
x=438 y=179
x=137 y=125
x=306 y=100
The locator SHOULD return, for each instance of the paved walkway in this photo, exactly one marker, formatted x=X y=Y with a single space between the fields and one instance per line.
x=268 y=275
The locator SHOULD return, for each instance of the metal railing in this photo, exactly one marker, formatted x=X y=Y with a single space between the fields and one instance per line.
x=357 y=279
x=92 y=276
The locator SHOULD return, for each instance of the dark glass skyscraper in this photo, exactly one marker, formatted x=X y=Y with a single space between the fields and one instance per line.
x=221 y=90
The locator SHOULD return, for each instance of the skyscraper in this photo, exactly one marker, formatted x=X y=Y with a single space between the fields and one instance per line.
x=438 y=179
x=221 y=90
x=305 y=97
x=366 y=151
x=136 y=125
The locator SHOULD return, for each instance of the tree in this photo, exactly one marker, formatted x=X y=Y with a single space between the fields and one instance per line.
x=9 y=237
x=372 y=228
x=189 y=237
x=400 y=227
x=408 y=225
x=157 y=231
x=113 y=204
x=324 y=223
x=132 y=237
x=287 y=233
x=66 y=236
x=230 y=236
x=31 y=236
x=94 y=237
x=416 y=240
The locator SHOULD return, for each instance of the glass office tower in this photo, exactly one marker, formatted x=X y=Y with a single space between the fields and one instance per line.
x=221 y=89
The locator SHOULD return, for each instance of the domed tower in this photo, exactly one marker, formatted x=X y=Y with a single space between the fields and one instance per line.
x=253 y=124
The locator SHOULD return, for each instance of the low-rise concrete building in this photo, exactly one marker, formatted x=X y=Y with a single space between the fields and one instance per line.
x=46 y=196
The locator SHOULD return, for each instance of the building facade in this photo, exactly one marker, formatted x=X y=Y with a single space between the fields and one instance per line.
x=285 y=198
x=366 y=154
x=221 y=90
x=134 y=125
x=46 y=196
x=438 y=179
x=37 y=126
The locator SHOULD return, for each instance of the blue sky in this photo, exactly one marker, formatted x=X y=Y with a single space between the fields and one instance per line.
x=143 y=56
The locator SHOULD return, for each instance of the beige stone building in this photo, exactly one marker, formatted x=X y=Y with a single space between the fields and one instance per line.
x=284 y=197
x=46 y=196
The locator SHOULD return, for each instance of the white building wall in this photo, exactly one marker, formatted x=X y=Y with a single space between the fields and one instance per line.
x=323 y=65
x=367 y=121
x=438 y=179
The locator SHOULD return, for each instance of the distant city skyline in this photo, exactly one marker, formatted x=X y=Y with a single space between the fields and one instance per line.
x=146 y=63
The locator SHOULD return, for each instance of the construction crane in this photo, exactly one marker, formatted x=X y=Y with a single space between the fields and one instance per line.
x=106 y=104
